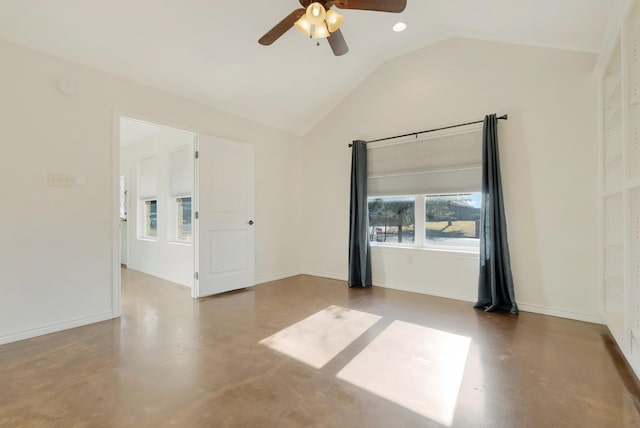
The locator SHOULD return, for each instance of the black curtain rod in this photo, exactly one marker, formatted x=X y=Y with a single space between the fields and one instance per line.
x=503 y=117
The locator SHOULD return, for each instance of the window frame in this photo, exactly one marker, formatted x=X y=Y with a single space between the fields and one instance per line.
x=147 y=216
x=420 y=240
x=176 y=231
x=123 y=196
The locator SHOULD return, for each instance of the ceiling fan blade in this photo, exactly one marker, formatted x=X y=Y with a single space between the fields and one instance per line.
x=395 y=6
x=281 y=27
x=337 y=43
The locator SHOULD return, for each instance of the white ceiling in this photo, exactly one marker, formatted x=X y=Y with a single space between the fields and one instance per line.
x=132 y=130
x=207 y=50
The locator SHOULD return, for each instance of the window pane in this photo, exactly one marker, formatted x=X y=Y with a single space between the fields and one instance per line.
x=184 y=218
x=151 y=218
x=453 y=220
x=123 y=198
x=392 y=220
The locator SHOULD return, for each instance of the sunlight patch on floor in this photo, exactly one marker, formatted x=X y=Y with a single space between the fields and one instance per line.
x=416 y=367
x=316 y=340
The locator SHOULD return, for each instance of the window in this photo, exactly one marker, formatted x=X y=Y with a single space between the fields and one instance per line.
x=147 y=192
x=421 y=191
x=184 y=218
x=451 y=221
x=151 y=218
x=392 y=220
x=123 y=198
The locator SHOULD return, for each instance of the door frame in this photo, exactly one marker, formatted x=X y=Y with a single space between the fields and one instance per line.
x=117 y=115
x=195 y=226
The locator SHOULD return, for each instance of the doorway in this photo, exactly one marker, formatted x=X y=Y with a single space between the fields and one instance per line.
x=186 y=208
x=157 y=191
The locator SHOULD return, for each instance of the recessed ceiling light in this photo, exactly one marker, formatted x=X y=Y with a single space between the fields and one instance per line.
x=399 y=26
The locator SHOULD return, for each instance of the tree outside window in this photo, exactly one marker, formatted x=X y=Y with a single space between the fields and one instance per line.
x=392 y=220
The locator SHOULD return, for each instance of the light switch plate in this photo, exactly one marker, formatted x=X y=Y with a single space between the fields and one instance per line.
x=59 y=180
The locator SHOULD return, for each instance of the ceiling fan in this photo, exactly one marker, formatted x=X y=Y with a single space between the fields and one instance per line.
x=316 y=20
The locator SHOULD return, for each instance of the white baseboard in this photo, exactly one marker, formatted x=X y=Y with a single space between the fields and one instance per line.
x=439 y=292
x=397 y=286
x=561 y=313
x=134 y=267
x=276 y=277
x=431 y=291
x=525 y=307
x=53 y=328
x=323 y=274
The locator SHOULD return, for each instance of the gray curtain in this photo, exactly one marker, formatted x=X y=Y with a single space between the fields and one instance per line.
x=359 y=246
x=495 y=284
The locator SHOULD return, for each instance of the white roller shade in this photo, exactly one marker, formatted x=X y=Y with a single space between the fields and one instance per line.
x=148 y=178
x=434 y=165
x=181 y=171
x=427 y=183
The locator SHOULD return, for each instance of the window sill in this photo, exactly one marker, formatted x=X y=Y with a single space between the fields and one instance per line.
x=183 y=243
x=424 y=250
x=145 y=238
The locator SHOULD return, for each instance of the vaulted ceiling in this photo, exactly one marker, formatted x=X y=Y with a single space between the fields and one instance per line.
x=207 y=50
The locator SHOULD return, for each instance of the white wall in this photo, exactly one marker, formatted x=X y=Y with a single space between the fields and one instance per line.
x=56 y=246
x=548 y=156
x=56 y=249
x=163 y=256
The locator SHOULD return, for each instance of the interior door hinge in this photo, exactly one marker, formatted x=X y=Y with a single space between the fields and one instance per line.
x=196 y=154
x=196 y=275
x=197 y=215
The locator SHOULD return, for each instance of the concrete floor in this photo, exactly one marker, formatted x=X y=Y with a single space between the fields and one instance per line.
x=329 y=357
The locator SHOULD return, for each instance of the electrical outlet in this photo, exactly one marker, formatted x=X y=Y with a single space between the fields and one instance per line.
x=59 y=180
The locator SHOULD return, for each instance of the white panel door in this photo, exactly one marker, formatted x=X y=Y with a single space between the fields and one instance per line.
x=225 y=247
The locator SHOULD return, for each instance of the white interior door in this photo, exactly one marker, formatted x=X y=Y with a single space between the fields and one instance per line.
x=225 y=236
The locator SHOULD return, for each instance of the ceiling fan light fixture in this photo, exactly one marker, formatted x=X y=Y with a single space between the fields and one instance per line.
x=316 y=13
x=334 y=20
x=304 y=26
x=314 y=18
x=320 y=31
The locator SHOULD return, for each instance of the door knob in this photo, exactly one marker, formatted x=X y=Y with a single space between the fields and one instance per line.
x=250 y=222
